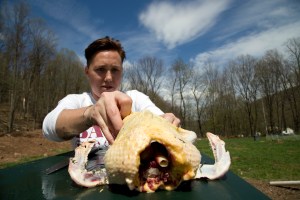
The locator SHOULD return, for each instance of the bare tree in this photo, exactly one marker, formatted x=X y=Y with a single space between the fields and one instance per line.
x=64 y=74
x=70 y=71
x=293 y=49
x=15 y=34
x=228 y=109
x=146 y=76
x=51 y=77
x=211 y=78
x=173 y=81
x=198 y=89
x=246 y=85
x=277 y=61
x=41 y=51
x=4 y=77
x=182 y=72
x=269 y=83
x=291 y=79
x=4 y=71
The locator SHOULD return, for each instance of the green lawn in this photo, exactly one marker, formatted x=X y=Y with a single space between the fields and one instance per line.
x=277 y=159
x=261 y=160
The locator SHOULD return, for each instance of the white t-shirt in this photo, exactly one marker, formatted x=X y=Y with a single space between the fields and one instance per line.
x=140 y=102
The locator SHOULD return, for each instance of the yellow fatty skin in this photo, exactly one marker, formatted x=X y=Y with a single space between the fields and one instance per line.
x=122 y=159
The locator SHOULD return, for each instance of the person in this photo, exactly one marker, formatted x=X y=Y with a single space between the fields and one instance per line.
x=98 y=114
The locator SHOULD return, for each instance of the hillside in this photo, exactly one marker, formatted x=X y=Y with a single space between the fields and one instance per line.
x=25 y=142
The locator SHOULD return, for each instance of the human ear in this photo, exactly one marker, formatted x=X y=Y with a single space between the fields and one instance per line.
x=86 y=70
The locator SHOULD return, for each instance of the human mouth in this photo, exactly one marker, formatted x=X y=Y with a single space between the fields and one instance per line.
x=108 y=88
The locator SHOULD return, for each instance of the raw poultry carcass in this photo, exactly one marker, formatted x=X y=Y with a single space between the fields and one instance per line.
x=150 y=153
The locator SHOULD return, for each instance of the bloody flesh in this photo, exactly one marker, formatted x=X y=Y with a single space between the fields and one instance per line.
x=152 y=175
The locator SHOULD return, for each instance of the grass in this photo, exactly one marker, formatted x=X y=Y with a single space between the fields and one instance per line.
x=262 y=159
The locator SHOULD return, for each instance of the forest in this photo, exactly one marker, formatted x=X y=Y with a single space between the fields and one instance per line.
x=245 y=96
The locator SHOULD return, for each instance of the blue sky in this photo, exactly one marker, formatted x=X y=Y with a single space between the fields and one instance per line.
x=194 y=30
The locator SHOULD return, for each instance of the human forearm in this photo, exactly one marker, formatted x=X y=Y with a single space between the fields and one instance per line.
x=71 y=122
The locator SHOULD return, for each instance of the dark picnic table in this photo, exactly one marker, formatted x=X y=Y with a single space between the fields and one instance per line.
x=29 y=181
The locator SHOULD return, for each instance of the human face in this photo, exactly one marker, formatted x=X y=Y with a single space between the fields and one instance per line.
x=104 y=72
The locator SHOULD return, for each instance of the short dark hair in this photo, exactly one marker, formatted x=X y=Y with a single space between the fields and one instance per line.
x=104 y=44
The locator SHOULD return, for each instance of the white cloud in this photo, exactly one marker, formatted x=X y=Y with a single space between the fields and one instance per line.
x=257 y=14
x=127 y=65
x=256 y=45
x=82 y=59
x=145 y=44
x=177 y=23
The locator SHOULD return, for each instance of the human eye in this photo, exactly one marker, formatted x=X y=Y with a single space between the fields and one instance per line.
x=114 y=70
x=101 y=70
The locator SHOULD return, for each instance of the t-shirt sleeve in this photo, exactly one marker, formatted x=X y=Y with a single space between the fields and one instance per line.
x=69 y=102
x=141 y=102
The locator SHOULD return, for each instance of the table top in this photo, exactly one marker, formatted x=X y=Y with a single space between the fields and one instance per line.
x=29 y=181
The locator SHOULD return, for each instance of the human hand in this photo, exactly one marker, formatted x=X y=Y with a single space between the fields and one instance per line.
x=108 y=113
x=172 y=119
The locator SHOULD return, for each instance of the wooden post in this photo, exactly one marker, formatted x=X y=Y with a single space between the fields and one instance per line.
x=284 y=182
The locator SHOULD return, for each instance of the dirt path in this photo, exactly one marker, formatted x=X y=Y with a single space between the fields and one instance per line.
x=16 y=146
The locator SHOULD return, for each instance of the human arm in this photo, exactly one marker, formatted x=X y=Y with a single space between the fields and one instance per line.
x=71 y=122
x=107 y=113
x=70 y=103
x=171 y=118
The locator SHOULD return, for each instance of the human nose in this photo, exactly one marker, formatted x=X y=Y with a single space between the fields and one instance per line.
x=108 y=76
